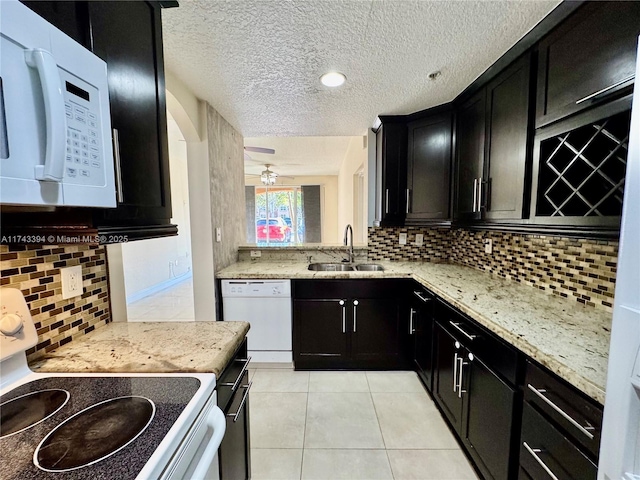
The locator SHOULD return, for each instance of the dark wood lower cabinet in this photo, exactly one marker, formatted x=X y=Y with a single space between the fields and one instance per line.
x=375 y=334
x=320 y=332
x=421 y=325
x=445 y=380
x=234 y=454
x=489 y=405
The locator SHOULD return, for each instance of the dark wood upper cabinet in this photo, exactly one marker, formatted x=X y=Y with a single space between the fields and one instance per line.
x=470 y=150
x=391 y=160
x=128 y=36
x=71 y=18
x=508 y=149
x=429 y=168
x=587 y=60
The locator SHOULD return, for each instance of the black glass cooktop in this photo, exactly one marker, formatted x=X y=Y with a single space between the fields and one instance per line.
x=113 y=424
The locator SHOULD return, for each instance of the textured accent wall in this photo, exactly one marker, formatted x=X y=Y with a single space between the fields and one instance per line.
x=35 y=269
x=383 y=244
x=226 y=170
x=582 y=269
x=575 y=268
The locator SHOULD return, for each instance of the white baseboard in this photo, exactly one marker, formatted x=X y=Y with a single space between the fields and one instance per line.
x=279 y=357
x=158 y=287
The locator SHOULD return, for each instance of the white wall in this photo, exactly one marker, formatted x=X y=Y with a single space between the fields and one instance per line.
x=151 y=263
x=328 y=197
x=355 y=159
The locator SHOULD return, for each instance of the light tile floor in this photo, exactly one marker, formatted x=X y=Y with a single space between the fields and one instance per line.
x=349 y=425
x=174 y=304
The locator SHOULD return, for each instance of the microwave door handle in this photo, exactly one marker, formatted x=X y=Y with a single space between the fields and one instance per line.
x=55 y=116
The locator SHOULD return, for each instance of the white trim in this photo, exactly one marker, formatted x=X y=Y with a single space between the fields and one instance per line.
x=158 y=287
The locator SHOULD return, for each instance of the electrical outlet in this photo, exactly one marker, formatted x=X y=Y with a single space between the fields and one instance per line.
x=256 y=253
x=218 y=234
x=402 y=238
x=488 y=245
x=71 y=281
x=419 y=239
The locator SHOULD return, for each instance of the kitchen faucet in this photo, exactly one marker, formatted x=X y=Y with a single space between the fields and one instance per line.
x=348 y=229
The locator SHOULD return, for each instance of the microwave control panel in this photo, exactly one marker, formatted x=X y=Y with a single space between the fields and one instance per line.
x=84 y=158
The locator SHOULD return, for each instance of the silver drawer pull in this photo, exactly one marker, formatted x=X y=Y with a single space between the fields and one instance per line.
x=244 y=400
x=419 y=295
x=605 y=90
x=534 y=453
x=234 y=385
x=457 y=327
x=565 y=415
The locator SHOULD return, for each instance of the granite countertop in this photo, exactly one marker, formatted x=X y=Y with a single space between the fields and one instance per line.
x=570 y=339
x=154 y=347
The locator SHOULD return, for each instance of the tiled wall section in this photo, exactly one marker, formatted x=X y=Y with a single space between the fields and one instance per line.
x=574 y=268
x=36 y=271
x=383 y=244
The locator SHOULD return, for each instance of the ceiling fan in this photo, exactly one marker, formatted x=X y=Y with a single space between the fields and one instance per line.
x=267 y=176
x=268 y=151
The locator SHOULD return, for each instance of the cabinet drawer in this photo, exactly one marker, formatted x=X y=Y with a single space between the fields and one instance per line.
x=544 y=451
x=580 y=418
x=231 y=377
x=496 y=354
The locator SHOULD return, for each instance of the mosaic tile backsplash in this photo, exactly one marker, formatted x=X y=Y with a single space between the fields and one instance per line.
x=582 y=269
x=36 y=271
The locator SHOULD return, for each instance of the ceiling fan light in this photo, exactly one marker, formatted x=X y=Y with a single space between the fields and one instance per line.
x=333 y=79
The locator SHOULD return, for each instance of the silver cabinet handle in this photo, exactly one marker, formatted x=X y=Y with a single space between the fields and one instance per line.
x=236 y=415
x=479 y=194
x=355 y=314
x=605 y=90
x=411 y=330
x=534 y=453
x=408 y=196
x=460 y=372
x=344 y=316
x=565 y=415
x=455 y=372
x=457 y=327
x=475 y=195
x=234 y=385
x=386 y=201
x=116 y=154
x=419 y=295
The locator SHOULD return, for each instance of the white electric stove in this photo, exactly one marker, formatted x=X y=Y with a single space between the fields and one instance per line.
x=95 y=426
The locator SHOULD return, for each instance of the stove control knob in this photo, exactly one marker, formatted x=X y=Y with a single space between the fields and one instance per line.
x=10 y=324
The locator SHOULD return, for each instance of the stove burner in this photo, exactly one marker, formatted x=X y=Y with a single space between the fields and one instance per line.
x=94 y=434
x=28 y=410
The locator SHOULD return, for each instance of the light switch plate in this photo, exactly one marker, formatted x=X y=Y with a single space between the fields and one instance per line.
x=419 y=238
x=256 y=253
x=218 y=234
x=71 y=281
x=488 y=245
x=402 y=238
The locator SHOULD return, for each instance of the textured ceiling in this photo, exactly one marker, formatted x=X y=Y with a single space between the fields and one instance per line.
x=298 y=155
x=258 y=62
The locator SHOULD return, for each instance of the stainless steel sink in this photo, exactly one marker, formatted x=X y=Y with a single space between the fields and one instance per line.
x=331 y=267
x=369 y=267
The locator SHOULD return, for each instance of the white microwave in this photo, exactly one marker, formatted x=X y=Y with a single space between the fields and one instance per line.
x=55 y=126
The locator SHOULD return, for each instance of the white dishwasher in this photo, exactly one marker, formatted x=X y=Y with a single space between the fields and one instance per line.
x=266 y=305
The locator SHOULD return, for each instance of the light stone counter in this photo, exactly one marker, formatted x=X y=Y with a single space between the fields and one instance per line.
x=158 y=347
x=570 y=339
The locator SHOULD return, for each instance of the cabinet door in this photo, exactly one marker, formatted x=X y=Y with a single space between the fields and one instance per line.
x=429 y=167
x=507 y=141
x=470 y=133
x=128 y=36
x=423 y=353
x=593 y=51
x=392 y=160
x=446 y=376
x=375 y=332
x=488 y=421
x=234 y=453
x=320 y=333
x=71 y=18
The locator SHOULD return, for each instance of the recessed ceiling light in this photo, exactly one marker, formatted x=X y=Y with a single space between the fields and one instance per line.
x=333 y=79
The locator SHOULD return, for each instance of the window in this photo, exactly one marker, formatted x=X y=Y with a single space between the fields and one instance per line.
x=278 y=215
